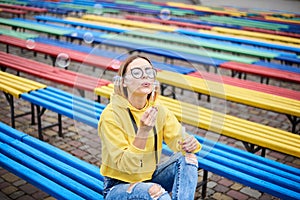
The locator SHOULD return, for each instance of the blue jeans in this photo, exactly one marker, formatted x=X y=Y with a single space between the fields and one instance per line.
x=177 y=175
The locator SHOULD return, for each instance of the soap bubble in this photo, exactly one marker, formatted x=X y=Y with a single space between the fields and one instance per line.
x=98 y=9
x=88 y=37
x=62 y=60
x=30 y=43
x=165 y=14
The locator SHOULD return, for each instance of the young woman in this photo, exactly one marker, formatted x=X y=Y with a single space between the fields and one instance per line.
x=132 y=129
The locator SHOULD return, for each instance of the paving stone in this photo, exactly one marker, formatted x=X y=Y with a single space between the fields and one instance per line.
x=26 y=197
x=4 y=185
x=225 y=182
x=221 y=196
x=40 y=195
x=237 y=195
x=251 y=192
x=9 y=190
x=236 y=186
x=75 y=143
x=211 y=184
x=9 y=177
x=79 y=153
x=19 y=182
x=221 y=188
x=28 y=188
x=17 y=194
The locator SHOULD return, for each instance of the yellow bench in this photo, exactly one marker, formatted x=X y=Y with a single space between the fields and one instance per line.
x=130 y=23
x=248 y=132
x=13 y=86
x=231 y=93
x=270 y=37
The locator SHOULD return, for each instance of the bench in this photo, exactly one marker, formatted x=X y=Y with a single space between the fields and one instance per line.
x=262 y=174
x=112 y=55
x=59 y=75
x=18 y=24
x=14 y=12
x=262 y=69
x=25 y=8
x=50 y=169
x=241 y=40
x=42 y=98
x=270 y=89
x=254 y=136
x=55 y=51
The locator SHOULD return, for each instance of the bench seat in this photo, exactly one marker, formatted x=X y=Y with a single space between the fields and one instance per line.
x=279 y=91
x=59 y=75
x=44 y=98
x=262 y=174
x=239 y=69
x=53 y=52
x=54 y=171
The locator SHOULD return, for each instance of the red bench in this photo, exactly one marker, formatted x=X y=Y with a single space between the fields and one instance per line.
x=24 y=8
x=244 y=68
x=73 y=79
x=54 y=51
x=19 y=13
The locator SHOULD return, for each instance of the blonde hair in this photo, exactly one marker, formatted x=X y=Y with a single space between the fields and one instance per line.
x=118 y=80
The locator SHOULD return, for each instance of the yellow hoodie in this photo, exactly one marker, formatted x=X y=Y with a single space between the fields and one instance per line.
x=120 y=158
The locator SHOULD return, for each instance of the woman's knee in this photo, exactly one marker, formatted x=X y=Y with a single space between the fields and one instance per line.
x=156 y=192
x=191 y=159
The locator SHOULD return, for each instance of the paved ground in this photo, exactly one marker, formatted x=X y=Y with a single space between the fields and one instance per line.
x=83 y=142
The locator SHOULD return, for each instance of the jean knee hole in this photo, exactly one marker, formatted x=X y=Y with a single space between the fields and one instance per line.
x=191 y=159
x=131 y=187
x=156 y=191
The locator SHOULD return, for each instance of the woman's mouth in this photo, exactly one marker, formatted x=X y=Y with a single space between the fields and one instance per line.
x=146 y=84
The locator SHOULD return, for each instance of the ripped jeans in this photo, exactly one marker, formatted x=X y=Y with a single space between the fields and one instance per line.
x=177 y=176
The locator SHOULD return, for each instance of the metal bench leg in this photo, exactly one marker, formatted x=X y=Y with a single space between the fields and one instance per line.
x=294 y=121
x=203 y=183
x=40 y=113
x=59 y=125
x=39 y=119
x=10 y=100
x=252 y=148
x=204 y=186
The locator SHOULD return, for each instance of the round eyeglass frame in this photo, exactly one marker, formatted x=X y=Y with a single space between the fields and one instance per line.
x=151 y=72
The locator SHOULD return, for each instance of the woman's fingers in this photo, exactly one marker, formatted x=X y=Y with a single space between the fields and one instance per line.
x=189 y=144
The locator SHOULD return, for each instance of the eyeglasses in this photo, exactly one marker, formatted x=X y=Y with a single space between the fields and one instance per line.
x=139 y=73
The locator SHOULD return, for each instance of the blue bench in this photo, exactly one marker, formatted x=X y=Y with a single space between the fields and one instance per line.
x=63 y=103
x=260 y=173
x=111 y=54
x=52 y=170
x=240 y=40
x=41 y=164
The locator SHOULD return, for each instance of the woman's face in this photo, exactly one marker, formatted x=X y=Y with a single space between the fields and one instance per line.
x=139 y=77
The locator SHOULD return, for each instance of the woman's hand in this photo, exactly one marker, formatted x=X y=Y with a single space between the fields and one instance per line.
x=146 y=125
x=189 y=144
x=148 y=120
